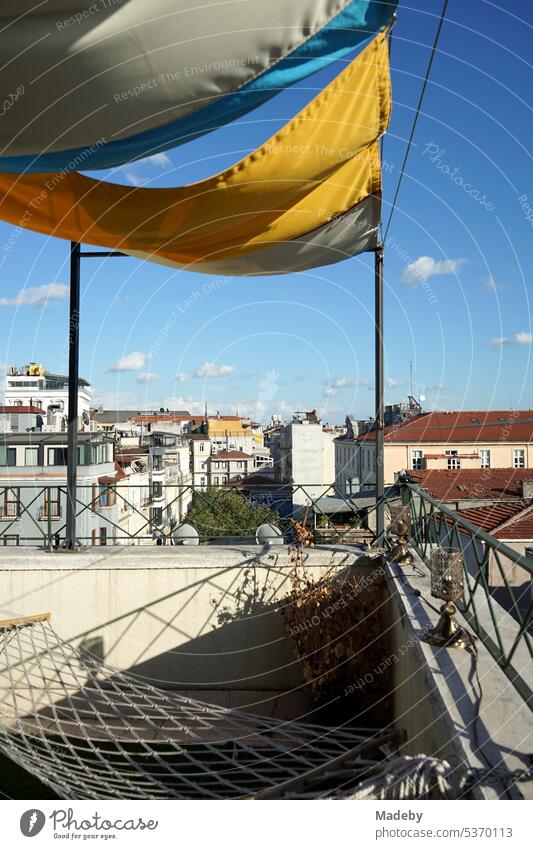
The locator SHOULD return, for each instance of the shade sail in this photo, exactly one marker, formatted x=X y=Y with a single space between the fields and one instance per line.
x=308 y=197
x=96 y=85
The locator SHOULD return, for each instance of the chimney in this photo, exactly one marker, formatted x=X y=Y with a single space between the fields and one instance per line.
x=527 y=490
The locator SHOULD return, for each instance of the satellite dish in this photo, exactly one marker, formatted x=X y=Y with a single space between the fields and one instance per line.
x=85 y=418
x=422 y=397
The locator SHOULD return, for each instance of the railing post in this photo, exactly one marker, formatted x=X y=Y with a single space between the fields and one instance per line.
x=49 y=522
x=379 y=401
x=73 y=374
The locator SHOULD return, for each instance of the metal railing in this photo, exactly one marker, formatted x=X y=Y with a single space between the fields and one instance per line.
x=490 y=571
x=128 y=513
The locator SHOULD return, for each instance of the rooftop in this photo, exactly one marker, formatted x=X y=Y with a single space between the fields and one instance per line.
x=520 y=527
x=50 y=437
x=231 y=455
x=470 y=426
x=469 y=484
x=113 y=416
x=19 y=409
x=491 y=516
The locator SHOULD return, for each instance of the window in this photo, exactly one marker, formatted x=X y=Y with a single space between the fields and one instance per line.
x=8 y=456
x=202 y=446
x=519 y=458
x=57 y=456
x=31 y=456
x=107 y=495
x=103 y=536
x=10 y=503
x=453 y=461
x=202 y=481
x=156 y=515
x=157 y=462
x=157 y=489
x=417 y=458
x=52 y=503
x=484 y=455
x=215 y=481
x=240 y=464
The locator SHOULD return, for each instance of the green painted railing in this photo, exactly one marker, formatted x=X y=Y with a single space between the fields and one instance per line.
x=487 y=588
x=34 y=515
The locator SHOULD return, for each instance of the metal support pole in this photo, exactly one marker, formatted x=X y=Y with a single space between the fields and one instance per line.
x=73 y=373
x=379 y=401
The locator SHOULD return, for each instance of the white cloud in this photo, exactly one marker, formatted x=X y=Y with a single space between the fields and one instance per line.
x=424 y=267
x=212 y=370
x=392 y=383
x=133 y=178
x=520 y=338
x=345 y=383
x=130 y=362
x=492 y=286
x=181 y=377
x=330 y=392
x=34 y=296
x=147 y=377
x=159 y=160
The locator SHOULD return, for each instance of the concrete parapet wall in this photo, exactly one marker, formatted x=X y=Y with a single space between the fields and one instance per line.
x=195 y=619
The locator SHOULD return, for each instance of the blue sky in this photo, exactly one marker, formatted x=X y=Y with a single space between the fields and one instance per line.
x=457 y=260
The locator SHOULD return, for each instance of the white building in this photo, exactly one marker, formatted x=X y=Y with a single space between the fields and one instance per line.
x=154 y=491
x=306 y=458
x=347 y=450
x=33 y=386
x=200 y=452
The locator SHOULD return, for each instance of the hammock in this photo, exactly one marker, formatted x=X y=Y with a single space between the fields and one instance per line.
x=89 y=731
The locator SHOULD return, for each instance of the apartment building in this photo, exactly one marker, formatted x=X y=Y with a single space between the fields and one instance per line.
x=451 y=441
x=14 y=419
x=33 y=386
x=200 y=452
x=33 y=478
x=347 y=459
x=154 y=489
x=229 y=466
x=305 y=457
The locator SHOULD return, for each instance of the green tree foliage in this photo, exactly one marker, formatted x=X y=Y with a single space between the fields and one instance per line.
x=227 y=513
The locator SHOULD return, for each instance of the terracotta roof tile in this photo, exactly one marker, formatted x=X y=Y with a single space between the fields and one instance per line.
x=520 y=527
x=463 y=484
x=231 y=455
x=14 y=409
x=491 y=516
x=471 y=426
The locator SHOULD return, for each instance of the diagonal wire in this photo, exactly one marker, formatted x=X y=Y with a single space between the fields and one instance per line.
x=417 y=114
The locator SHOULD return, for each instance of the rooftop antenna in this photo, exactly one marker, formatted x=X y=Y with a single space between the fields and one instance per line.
x=411 y=373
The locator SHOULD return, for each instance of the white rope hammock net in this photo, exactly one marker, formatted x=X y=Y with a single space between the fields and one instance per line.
x=89 y=731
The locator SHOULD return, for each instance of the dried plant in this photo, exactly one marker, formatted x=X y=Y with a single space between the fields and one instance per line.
x=335 y=620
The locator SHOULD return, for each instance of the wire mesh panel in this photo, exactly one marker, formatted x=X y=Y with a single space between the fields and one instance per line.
x=89 y=731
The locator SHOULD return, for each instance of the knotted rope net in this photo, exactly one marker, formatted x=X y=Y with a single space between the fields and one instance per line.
x=89 y=731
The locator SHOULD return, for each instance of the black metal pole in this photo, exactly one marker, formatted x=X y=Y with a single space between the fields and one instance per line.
x=379 y=401
x=73 y=374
